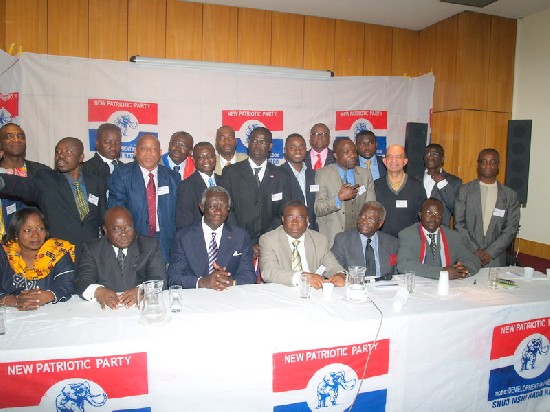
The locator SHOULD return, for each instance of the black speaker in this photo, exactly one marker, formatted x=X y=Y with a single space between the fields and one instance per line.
x=415 y=143
x=518 y=157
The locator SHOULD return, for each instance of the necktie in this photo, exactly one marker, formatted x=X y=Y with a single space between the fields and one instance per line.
x=296 y=262
x=114 y=162
x=370 y=263
x=257 y=175
x=317 y=164
x=152 y=204
x=433 y=245
x=120 y=259
x=367 y=163
x=2 y=226
x=212 y=253
x=211 y=181
x=228 y=163
x=80 y=200
x=176 y=168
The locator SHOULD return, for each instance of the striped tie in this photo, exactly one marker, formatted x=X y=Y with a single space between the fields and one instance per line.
x=80 y=200
x=212 y=253
x=296 y=263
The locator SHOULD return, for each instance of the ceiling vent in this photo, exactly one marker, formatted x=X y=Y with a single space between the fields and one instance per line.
x=473 y=3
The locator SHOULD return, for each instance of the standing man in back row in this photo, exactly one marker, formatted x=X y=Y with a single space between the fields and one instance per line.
x=226 y=146
x=366 y=149
x=178 y=157
x=319 y=155
x=107 y=145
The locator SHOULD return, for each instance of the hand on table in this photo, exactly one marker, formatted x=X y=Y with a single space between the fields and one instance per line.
x=128 y=298
x=338 y=279
x=220 y=279
x=29 y=299
x=106 y=297
x=457 y=271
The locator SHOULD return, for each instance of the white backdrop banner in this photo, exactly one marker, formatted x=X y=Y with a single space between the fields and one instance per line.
x=53 y=97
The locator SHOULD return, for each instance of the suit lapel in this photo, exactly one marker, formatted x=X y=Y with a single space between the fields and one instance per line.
x=499 y=204
x=286 y=253
x=225 y=250
x=356 y=250
x=477 y=212
x=201 y=249
x=66 y=193
x=310 y=252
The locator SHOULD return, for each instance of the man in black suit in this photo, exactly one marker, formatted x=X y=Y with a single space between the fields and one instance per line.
x=258 y=189
x=110 y=269
x=190 y=190
x=319 y=155
x=73 y=202
x=366 y=149
x=107 y=145
x=301 y=177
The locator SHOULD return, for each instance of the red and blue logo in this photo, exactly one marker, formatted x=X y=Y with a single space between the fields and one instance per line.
x=332 y=379
x=351 y=122
x=9 y=108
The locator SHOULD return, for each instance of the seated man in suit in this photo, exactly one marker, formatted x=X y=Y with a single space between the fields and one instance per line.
x=343 y=190
x=292 y=249
x=366 y=149
x=211 y=253
x=148 y=190
x=177 y=158
x=226 y=145
x=107 y=145
x=319 y=155
x=301 y=177
x=190 y=190
x=365 y=245
x=110 y=268
x=427 y=248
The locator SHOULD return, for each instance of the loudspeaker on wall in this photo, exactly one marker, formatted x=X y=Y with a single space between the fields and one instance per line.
x=518 y=157
x=415 y=143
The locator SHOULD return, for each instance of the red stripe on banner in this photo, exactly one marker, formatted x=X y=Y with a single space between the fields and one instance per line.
x=25 y=383
x=272 y=119
x=346 y=118
x=293 y=370
x=10 y=102
x=99 y=110
x=506 y=338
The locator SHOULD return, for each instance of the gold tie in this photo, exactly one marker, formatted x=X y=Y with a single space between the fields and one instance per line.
x=2 y=226
x=80 y=200
x=367 y=163
x=296 y=259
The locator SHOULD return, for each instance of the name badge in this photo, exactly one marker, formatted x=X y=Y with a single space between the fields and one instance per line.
x=277 y=196
x=362 y=189
x=400 y=204
x=163 y=190
x=94 y=200
x=11 y=209
x=313 y=188
x=499 y=212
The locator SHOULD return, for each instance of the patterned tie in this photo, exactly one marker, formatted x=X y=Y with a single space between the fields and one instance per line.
x=257 y=175
x=120 y=259
x=2 y=225
x=211 y=181
x=80 y=200
x=113 y=165
x=296 y=262
x=370 y=263
x=176 y=168
x=317 y=164
x=152 y=204
x=433 y=245
x=367 y=163
x=212 y=253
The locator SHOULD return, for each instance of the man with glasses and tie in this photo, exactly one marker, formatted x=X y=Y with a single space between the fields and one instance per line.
x=366 y=144
x=319 y=155
x=106 y=158
x=190 y=190
x=109 y=269
x=366 y=245
x=292 y=250
x=427 y=248
x=211 y=253
x=177 y=158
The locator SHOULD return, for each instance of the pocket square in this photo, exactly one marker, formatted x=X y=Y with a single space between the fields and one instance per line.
x=235 y=253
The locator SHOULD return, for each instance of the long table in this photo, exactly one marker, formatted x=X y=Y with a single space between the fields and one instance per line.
x=262 y=348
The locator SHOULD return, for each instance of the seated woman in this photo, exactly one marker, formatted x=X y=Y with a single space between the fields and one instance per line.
x=34 y=269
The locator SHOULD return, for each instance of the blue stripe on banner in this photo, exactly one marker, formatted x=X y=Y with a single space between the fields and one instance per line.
x=146 y=409
x=505 y=382
x=368 y=401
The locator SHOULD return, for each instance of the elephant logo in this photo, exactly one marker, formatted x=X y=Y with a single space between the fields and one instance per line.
x=327 y=390
x=75 y=396
x=5 y=117
x=529 y=355
x=124 y=121
x=362 y=125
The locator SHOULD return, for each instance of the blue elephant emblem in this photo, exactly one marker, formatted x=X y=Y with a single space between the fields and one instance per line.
x=360 y=127
x=249 y=130
x=329 y=386
x=124 y=121
x=5 y=117
x=529 y=355
x=74 y=396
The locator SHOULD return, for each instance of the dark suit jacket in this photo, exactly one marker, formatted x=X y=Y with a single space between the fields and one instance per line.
x=408 y=255
x=127 y=188
x=51 y=191
x=98 y=264
x=97 y=167
x=381 y=167
x=296 y=192
x=189 y=258
x=349 y=251
x=253 y=208
x=189 y=196
x=187 y=171
x=329 y=160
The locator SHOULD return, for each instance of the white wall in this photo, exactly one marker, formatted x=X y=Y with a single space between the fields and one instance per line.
x=532 y=101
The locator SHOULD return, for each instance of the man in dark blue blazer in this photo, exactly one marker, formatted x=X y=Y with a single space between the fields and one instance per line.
x=319 y=155
x=301 y=177
x=128 y=188
x=107 y=145
x=366 y=149
x=211 y=253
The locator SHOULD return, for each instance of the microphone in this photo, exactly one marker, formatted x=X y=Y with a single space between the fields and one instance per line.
x=387 y=276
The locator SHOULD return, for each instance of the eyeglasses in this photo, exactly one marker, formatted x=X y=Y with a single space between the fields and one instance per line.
x=180 y=144
x=204 y=156
x=258 y=142
x=429 y=213
x=120 y=230
x=433 y=154
x=320 y=134
x=299 y=218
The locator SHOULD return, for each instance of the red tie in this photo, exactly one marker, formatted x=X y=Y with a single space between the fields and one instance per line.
x=317 y=164
x=152 y=204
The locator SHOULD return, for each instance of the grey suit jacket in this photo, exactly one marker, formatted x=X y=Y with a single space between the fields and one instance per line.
x=276 y=256
x=330 y=218
x=218 y=169
x=501 y=230
x=97 y=264
x=348 y=250
x=408 y=255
